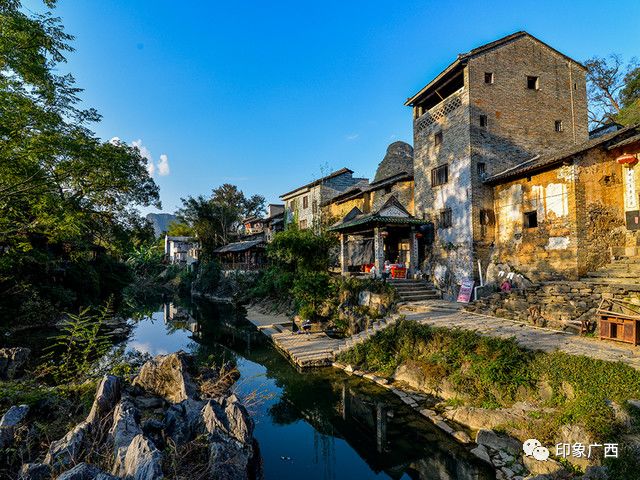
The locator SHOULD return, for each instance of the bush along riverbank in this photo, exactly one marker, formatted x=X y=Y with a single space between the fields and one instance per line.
x=501 y=395
x=173 y=419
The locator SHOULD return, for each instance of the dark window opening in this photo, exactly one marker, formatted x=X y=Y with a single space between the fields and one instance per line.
x=387 y=189
x=437 y=139
x=445 y=218
x=486 y=217
x=440 y=175
x=575 y=86
x=482 y=169
x=558 y=125
x=305 y=202
x=488 y=77
x=531 y=219
x=533 y=83
x=483 y=120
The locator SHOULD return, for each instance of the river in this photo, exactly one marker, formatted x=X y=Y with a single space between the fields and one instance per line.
x=319 y=424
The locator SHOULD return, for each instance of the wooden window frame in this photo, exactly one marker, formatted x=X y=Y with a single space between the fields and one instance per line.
x=437 y=175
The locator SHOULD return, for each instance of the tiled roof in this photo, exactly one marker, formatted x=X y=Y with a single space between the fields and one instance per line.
x=337 y=173
x=238 y=246
x=541 y=162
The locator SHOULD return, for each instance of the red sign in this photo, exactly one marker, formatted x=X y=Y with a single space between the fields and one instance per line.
x=466 y=291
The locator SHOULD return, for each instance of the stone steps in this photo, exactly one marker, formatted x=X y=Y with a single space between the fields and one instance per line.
x=414 y=290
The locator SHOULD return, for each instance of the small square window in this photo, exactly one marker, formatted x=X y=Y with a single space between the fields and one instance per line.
x=533 y=83
x=437 y=139
x=482 y=169
x=488 y=77
x=445 y=218
x=483 y=120
x=558 y=125
x=530 y=219
x=303 y=224
x=387 y=189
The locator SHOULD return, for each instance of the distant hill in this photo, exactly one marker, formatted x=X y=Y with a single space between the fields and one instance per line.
x=160 y=222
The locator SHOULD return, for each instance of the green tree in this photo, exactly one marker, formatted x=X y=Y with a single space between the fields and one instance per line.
x=613 y=90
x=216 y=220
x=67 y=200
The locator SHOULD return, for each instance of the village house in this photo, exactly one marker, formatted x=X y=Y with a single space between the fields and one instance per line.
x=268 y=226
x=180 y=250
x=493 y=108
x=563 y=214
x=302 y=205
x=376 y=220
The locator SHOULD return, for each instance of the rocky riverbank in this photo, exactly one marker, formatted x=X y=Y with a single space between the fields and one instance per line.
x=172 y=420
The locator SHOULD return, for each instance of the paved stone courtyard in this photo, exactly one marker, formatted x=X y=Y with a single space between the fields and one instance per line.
x=317 y=349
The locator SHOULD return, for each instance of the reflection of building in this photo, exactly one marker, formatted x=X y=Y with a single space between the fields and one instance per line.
x=174 y=314
x=302 y=205
x=181 y=250
x=377 y=222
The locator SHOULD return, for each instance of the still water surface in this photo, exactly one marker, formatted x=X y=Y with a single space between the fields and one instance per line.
x=320 y=424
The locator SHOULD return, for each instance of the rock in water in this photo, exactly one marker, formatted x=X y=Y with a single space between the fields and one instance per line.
x=125 y=428
x=107 y=396
x=12 y=360
x=68 y=450
x=228 y=459
x=10 y=420
x=35 y=471
x=167 y=376
x=143 y=460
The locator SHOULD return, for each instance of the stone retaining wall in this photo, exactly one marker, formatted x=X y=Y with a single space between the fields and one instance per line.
x=559 y=305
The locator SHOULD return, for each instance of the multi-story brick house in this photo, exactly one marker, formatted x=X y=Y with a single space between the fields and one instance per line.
x=303 y=204
x=493 y=108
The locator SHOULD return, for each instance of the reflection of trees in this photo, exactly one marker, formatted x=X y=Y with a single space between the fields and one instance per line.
x=283 y=412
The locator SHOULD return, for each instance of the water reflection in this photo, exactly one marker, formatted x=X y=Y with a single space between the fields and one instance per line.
x=317 y=424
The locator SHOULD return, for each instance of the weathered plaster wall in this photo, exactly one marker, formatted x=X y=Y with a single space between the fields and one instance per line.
x=549 y=250
x=403 y=191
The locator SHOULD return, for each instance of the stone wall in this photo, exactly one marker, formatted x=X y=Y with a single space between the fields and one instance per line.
x=559 y=305
x=403 y=191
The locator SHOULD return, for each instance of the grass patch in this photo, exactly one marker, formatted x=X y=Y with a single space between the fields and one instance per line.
x=492 y=373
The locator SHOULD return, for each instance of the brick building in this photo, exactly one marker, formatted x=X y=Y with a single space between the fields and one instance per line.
x=493 y=108
x=303 y=203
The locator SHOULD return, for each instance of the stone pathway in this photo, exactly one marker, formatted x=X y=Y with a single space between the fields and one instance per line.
x=440 y=314
x=318 y=349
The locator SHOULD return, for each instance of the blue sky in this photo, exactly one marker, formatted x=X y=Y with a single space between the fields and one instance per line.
x=269 y=95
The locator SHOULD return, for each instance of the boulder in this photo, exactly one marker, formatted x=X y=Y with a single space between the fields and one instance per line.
x=125 y=428
x=12 y=361
x=84 y=471
x=481 y=418
x=491 y=439
x=547 y=467
x=168 y=377
x=107 y=396
x=67 y=451
x=596 y=473
x=143 y=460
x=183 y=421
x=230 y=417
x=35 y=471
x=10 y=420
x=481 y=452
x=228 y=459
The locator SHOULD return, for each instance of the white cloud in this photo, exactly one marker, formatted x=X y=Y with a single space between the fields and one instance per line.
x=163 y=165
x=352 y=136
x=115 y=141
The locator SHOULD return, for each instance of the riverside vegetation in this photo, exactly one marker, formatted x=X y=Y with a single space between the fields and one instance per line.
x=565 y=395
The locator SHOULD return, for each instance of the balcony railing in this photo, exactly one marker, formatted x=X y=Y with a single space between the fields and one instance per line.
x=438 y=111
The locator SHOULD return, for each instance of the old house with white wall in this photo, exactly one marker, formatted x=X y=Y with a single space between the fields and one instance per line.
x=302 y=205
x=181 y=250
x=492 y=108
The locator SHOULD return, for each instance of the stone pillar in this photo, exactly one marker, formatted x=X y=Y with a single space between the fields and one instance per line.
x=343 y=254
x=378 y=249
x=413 y=253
